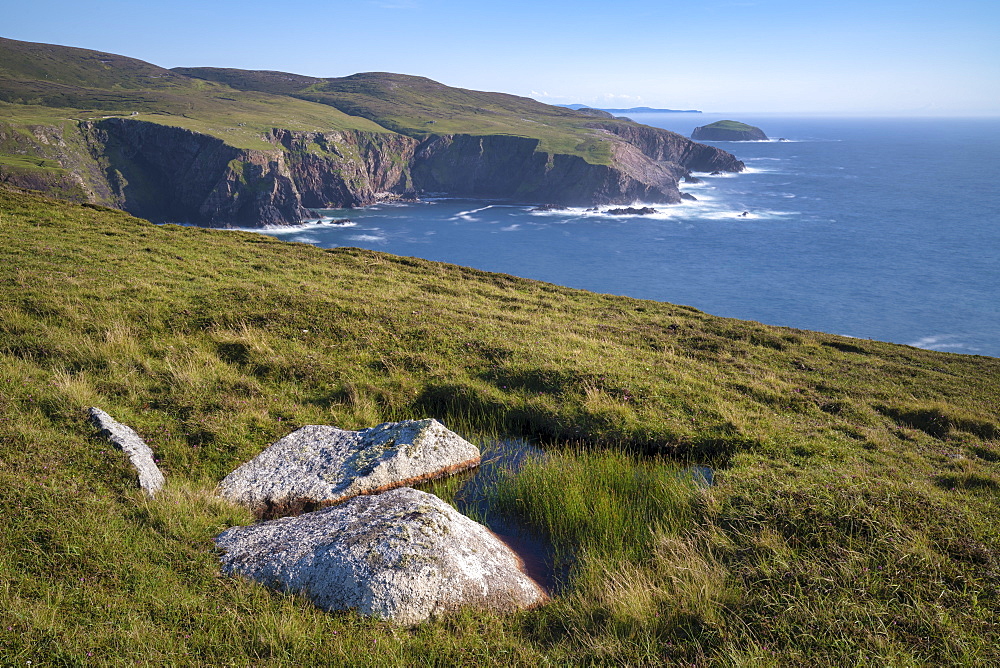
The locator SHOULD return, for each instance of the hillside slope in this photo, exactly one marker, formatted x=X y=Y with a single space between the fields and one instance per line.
x=264 y=147
x=853 y=513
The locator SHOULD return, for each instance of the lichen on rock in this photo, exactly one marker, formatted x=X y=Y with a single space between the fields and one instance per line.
x=402 y=555
x=321 y=465
x=125 y=438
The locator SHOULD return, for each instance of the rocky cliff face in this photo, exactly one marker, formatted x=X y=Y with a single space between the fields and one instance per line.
x=646 y=166
x=504 y=167
x=168 y=174
x=54 y=160
x=669 y=147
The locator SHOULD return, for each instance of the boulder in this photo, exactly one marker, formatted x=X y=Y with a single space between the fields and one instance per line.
x=321 y=465
x=402 y=555
x=124 y=438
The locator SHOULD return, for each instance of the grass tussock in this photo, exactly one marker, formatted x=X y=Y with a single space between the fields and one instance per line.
x=852 y=521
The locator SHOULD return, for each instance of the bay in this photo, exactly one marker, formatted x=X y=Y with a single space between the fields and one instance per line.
x=880 y=228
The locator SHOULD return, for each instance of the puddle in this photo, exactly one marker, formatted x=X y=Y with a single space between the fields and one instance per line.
x=537 y=553
x=471 y=499
x=702 y=476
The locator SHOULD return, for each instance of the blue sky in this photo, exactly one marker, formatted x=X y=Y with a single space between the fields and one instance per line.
x=849 y=57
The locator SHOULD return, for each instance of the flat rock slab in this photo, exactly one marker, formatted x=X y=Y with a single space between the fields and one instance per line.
x=125 y=439
x=322 y=465
x=403 y=555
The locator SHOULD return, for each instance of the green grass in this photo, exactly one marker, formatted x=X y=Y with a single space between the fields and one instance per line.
x=730 y=125
x=853 y=520
x=242 y=120
x=420 y=107
x=240 y=106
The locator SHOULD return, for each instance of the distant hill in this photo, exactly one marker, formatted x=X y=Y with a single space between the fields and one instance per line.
x=632 y=110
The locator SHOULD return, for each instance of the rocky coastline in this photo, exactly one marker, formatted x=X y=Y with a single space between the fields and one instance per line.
x=170 y=174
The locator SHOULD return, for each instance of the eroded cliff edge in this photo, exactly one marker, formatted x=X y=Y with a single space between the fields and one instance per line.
x=169 y=174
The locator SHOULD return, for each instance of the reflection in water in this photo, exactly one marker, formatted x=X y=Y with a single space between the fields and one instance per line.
x=499 y=459
x=472 y=497
x=703 y=476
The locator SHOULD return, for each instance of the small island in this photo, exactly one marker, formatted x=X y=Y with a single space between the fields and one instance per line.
x=728 y=131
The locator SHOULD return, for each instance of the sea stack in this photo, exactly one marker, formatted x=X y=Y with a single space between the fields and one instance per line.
x=728 y=131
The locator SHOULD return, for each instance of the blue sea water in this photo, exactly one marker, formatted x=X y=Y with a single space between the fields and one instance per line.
x=885 y=229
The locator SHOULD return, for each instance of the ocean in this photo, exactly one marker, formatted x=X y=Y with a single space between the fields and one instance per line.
x=875 y=228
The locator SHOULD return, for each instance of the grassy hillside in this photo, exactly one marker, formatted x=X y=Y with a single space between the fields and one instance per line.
x=853 y=519
x=42 y=84
x=81 y=67
x=418 y=107
x=238 y=106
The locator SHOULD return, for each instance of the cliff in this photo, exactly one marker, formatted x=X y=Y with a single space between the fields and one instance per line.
x=512 y=168
x=170 y=174
x=205 y=146
x=728 y=131
x=669 y=147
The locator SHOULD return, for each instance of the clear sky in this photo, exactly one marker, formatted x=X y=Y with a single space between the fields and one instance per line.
x=883 y=57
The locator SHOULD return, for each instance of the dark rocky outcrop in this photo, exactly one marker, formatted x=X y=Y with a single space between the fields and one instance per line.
x=170 y=174
x=631 y=211
x=402 y=555
x=728 y=131
x=504 y=167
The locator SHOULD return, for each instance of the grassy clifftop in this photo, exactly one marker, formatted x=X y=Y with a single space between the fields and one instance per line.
x=853 y=519
x=238 y=105
x=419 y=107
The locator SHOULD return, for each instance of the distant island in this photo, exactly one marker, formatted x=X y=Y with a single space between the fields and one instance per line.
x=728 y=131
x=633 y=110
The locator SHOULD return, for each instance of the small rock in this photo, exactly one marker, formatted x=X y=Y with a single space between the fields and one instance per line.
x=403 y=555
x=321 y=465
x=125 y=439
x=631 y=211
x=549 y=207
x=689 y=196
